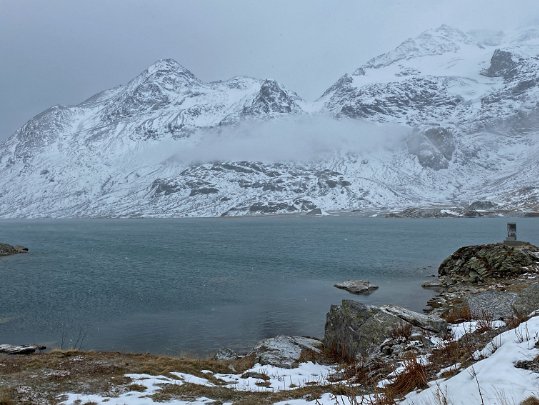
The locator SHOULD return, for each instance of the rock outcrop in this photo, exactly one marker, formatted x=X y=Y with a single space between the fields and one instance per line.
x=7 y=250
x=355 y=329
x=481 y=263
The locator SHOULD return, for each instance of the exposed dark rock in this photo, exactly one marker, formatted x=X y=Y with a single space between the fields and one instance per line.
x=271 y=99
x=434 y=147
x=482 y=205
x=531 y=365
x=425 y=213
x=501 y=65
x=7 y=250
x=271 y=208
x=479 y=263
x=203 y=190
x=164 y=187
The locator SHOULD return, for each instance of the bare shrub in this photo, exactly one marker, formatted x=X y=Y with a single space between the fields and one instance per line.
x=401 y=330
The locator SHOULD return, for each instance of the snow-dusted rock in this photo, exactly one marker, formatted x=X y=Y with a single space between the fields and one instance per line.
x=14 y=349
x=284 y=351
x=430 y=323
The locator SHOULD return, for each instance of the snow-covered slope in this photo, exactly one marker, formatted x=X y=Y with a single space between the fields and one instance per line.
x=467 y=102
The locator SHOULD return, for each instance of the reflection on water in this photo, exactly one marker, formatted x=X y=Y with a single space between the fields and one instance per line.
x=195 y=285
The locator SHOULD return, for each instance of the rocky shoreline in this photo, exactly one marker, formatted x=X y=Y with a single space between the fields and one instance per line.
x=484 y=289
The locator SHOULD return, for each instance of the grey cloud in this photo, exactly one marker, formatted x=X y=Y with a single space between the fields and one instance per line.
x=61 y=52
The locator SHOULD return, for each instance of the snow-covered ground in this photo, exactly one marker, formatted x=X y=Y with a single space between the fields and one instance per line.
x=492 y=380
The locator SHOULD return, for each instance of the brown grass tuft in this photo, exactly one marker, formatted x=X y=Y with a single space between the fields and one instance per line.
x=413 y=377
x=530 y=401
x=458 y=313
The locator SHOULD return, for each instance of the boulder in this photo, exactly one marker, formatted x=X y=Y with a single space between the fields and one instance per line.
x=527 y=301
x=498 y=304
x=284 y=351
x=480 y=263
x=357 y=286
x=354 y=329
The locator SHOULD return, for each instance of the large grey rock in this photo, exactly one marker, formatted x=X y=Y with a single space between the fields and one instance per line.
x=284 y=351
x=357 y=286
x=528 y=300
x=498 y=304
x=430 y=323
x=480 y=263
x=353 y=328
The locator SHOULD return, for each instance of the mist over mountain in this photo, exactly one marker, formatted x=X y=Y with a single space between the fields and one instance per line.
x=447 y=117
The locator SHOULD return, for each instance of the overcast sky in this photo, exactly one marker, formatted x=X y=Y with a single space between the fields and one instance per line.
x=63 y=51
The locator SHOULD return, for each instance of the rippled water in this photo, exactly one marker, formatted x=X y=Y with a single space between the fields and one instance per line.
x=195 y=285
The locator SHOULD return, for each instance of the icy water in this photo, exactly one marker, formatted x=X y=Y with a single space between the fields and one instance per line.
x=191 y=286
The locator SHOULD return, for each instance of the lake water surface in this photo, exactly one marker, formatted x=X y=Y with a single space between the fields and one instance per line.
x=196 y=285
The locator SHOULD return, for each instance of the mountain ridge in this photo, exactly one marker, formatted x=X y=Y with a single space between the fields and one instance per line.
x=467 y=103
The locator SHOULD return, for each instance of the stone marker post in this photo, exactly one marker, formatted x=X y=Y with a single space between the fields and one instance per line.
x=511 y=232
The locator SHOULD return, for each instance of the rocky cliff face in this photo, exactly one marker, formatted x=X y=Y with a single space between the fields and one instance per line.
x=468 y=106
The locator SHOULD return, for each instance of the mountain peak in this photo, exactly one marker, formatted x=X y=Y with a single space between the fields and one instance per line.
x=166 y=65
x=436 y=41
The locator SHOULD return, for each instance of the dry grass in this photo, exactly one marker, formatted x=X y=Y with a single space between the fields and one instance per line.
x=413 y=377
x=530 y=401
x=485 y=321
x=47 y=375
x=339 y=354
x=458 y=313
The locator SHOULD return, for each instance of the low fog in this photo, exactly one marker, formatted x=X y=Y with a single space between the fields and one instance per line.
x=298 y=139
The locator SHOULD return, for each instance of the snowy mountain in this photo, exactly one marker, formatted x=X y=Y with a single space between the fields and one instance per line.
x=167 y=144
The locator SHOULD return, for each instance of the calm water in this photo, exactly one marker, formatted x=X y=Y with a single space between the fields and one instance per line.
x=195 y=285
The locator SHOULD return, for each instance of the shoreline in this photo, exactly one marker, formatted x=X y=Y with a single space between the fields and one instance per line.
x=209 y=373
